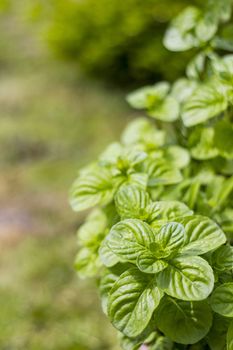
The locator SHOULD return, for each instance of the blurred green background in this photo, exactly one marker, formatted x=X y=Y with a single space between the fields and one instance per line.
x=65 y=66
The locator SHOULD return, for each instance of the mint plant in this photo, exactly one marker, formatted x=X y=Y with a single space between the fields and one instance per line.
x=160 y=240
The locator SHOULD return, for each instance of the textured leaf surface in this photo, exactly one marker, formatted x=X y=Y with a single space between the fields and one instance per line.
x=91 y=189
x=107 y=256
x=206 y=102
x=222 y=300
x=183 y=322
x=129 y=238
x=147 y=262
x=168 y=210
x=161 y=173
x=132 y=202
x=187 y=278
x=133 y=299
x=222 y=258
x=171 y=237
x=202 y=235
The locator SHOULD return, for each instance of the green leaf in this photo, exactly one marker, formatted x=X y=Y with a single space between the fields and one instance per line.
x=222 y=300
x=131 y=202
x=216 y=337
x=167 y=210
x=205 y=148
x=90 y=189
x=147 y=262
x=129 y=238
x=230 y=337
x=222 y=189
x=222 y=258
x=195 y=68
x=142 y=131
x=106 y=283
x=202 y=235
x=162 y=343
x=171 y=237
x=132 y=301
x=206 y=102
x=183 y=89
x=166 y=111
x=107 y=257
x=139 y=180
x=92 y=232
x=180 y=36
x=183 y=322
x=207 y=27
x=161 y=173
x=177 y=156
x=187 y=278
x=148 y=96
x=223 y=138
x=87 y=263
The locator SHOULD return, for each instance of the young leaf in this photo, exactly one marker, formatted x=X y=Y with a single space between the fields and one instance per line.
x=142 y=131
x=166 y=110
x=148 y=96
x=180 y=36
x=171 y=237
x=148 y=262
x=222 y=300
x=205 y=148
x=183 y=322
x=90 y=189
x=202 y=235
x=222 y=258
x=107 y=257
x=161 y=173
x=87 y=263
x=129 y=238
x=131 y=202
x=187 y=278
x=167 y=210
x=206 y=102
x=179 y=157
x=132 y=301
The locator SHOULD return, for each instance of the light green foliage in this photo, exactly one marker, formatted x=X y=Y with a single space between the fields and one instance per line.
x=165 y=259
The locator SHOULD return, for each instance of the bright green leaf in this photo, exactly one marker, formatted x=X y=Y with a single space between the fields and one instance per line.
x=183 y=322
x=131 y=202
x=129 y=238
x=187 y=278
x=91 y=189
x=206 y=102
x=222 y=300
x=202 y=235
x=132 y=301
x=222 y=258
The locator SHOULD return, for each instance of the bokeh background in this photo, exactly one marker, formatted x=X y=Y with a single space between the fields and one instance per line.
x=65 y=67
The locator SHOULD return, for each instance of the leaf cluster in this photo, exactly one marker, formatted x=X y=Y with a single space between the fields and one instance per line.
x=160 y=242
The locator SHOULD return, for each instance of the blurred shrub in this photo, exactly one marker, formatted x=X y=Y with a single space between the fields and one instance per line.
x=117 y=40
